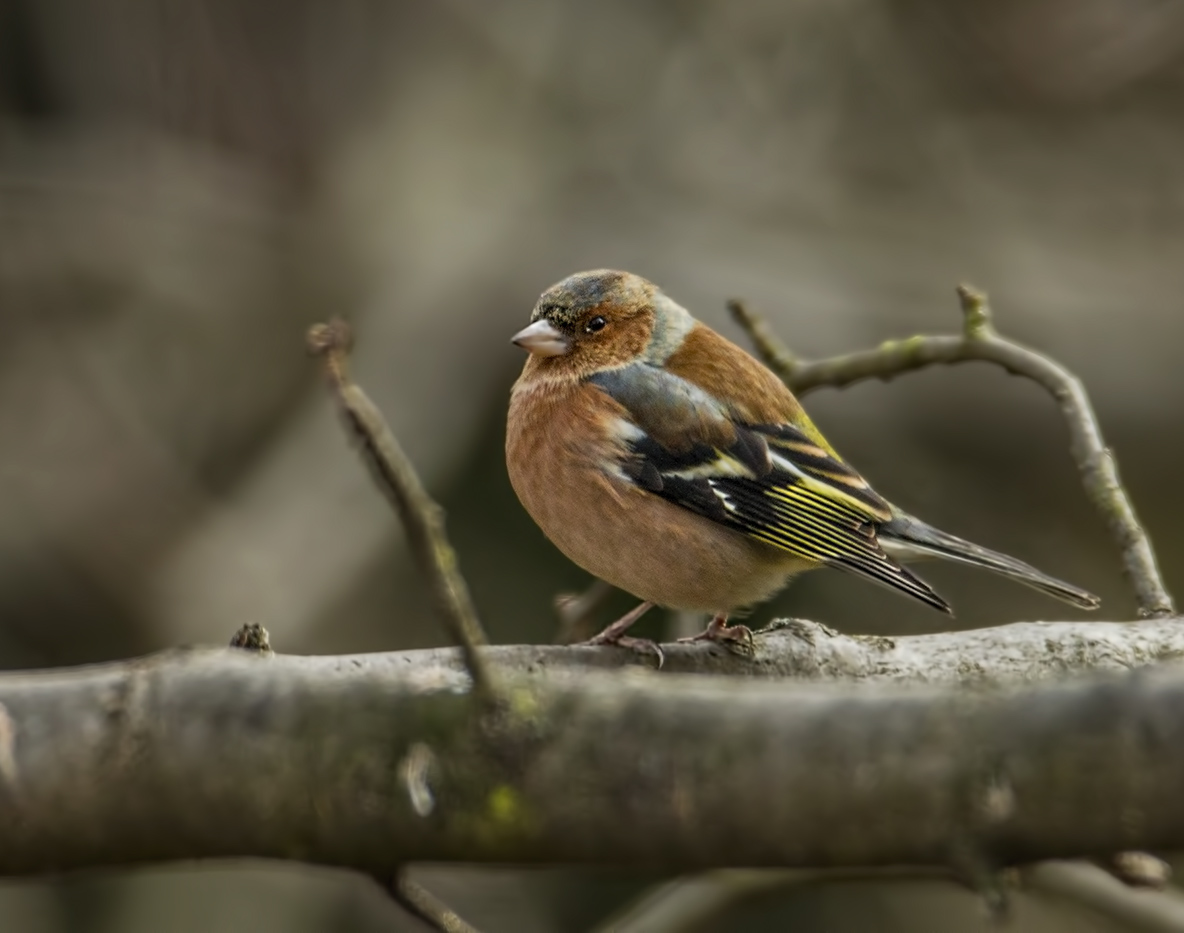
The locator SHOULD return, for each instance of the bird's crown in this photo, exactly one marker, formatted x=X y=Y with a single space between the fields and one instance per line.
x=565 y=302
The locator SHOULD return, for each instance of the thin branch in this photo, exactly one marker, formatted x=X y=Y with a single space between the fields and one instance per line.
x=979 y=341
x=421 y=516
x=421 y=903
x=1135 y=909
x=777 y=356
x=575 y=611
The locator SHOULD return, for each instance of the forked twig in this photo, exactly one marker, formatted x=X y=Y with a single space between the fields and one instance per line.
x=980 y=341
x=421 y=516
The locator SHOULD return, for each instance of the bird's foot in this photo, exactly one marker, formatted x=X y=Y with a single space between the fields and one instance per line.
x=615 y=635
x=639 y=645
x=736 y=638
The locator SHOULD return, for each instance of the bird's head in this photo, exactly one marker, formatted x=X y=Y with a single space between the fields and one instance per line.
x=593 y=321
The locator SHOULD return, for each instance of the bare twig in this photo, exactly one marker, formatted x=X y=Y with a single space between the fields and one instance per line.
x=396 y=477
x=1091 y=887
x=777 y=356
x=979 y=341
x=420 y=902
x=575 y=612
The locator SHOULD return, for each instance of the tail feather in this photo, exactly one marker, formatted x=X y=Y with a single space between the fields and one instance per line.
x=895 y=576
x=905 y=537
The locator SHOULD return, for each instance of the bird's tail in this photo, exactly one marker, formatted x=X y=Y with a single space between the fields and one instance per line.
x=908 y=538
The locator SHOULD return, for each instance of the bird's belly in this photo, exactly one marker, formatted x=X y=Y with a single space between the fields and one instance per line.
x=659 y=551
x=717 y=576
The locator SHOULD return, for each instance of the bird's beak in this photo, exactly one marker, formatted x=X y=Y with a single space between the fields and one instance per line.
x=542 y=338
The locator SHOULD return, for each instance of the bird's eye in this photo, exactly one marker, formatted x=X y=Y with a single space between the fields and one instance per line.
x=597 y=323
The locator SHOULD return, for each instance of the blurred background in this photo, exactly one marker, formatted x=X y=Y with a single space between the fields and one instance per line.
x=185 y=186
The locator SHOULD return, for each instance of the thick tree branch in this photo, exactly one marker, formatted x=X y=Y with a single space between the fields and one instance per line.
x=808 y=651
x=373 y=761
x=979 y=341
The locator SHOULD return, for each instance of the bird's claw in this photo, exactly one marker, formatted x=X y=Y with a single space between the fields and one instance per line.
x=637 y=645
x=736 y=638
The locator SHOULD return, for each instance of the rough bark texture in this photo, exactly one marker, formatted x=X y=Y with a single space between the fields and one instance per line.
x=804 y=650
x=375 y=760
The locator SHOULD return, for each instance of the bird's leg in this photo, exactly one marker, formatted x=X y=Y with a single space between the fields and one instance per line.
x=736 y=637
x=615 y=634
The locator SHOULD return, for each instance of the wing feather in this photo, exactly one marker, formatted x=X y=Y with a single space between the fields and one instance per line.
x=772 y=482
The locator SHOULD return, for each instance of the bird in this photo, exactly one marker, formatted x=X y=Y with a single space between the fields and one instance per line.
x=667 y=461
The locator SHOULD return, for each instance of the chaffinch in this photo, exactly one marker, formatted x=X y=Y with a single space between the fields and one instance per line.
x=669 y=462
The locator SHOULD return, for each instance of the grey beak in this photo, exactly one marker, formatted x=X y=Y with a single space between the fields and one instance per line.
x=542 y=338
